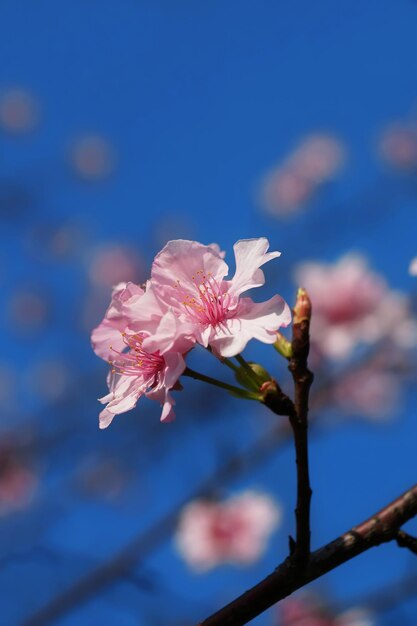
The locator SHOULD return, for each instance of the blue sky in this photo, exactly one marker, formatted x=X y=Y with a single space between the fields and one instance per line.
x=197 y=100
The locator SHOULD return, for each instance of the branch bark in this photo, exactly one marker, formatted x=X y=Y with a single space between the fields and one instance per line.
x=303 y=379
x=288 y=577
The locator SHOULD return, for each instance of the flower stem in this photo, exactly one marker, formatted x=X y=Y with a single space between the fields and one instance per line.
x=224 y=360
x=251 y=373
x=283 y=346
x=237 y=391
x=230 y=364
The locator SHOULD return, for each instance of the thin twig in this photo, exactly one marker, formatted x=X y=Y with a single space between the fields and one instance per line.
x=288 y=577
x=404 y=540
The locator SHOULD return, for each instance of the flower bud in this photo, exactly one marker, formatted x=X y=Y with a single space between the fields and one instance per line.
x=302 y=308
x=253 y=381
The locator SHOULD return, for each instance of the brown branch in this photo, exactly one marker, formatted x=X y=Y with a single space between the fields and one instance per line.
x=288 y=577
x=303 y=379
x=404 y=540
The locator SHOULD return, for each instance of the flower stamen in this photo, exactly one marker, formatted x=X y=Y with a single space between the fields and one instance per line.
x=209 y=303
x=136 y=361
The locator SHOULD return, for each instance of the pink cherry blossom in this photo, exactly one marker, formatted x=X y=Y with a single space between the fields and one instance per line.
x=234 y=531
x=136 y=371
x=353 y=305
x=188 y=279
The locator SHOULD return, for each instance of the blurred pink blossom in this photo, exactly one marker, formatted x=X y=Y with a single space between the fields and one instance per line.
x=398 y=146
x=67 y=240
x=93 y=157
x=288 y=186
x=29 y=309
x=355 y=617
x=61 y=241
x=234 y=531
x=309 y=610
x=413 y=267
x=18 y=111
x=111 y=263
x=102 y=477
x=50 y=378
x=8 y=384
x=353 y=305
x=284 y=191
x=17 y=483
x=319 y=157
x=368 y=392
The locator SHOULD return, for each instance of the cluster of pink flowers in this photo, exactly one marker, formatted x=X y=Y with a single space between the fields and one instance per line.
x=353 y=305
x=234 y=531
x=292 y=183
x=147 y=331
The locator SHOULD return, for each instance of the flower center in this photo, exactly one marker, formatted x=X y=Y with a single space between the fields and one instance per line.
x=136 y=361
x=208 y=302
x=225 y=528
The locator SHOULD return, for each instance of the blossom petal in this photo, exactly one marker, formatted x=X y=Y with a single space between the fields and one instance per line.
x=121 y=294
x=217 y=249
x=250 y=254
x=176 y=270
x=107 y=337
x=144 y=311
x=253 y=321
x=170 y=335
x=125 y=394
x=175 y=365
x=166 y=401
x=105 y=418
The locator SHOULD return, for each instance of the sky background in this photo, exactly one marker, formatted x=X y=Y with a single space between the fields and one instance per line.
x=126 y=124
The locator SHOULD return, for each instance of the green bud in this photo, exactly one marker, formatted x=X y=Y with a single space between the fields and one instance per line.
x=254 y=379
